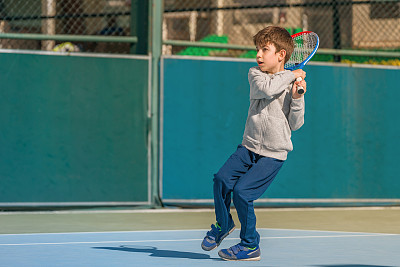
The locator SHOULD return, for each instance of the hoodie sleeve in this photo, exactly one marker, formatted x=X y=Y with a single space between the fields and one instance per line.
x=263 y=85
x=296 y=114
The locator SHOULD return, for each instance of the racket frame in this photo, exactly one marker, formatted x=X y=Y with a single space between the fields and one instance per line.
x=304 y=62
x=301 y=65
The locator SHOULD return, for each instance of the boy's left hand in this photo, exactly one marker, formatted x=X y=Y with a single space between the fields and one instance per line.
x=296 y=95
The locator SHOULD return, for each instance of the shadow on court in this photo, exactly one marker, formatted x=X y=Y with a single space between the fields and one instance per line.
x=155 y=252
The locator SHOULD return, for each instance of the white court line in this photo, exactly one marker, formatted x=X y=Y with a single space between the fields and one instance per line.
x=180 y=210
x=187 y=240
x=190 y=230
x=114 y=232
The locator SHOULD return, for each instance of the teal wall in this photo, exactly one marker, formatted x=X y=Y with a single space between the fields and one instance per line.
x=73 y=129
x=348 y=147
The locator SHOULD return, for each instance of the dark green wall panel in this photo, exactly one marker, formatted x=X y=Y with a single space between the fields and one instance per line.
x=73 y=129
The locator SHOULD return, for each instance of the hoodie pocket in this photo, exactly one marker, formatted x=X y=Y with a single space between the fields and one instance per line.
x=277 y=134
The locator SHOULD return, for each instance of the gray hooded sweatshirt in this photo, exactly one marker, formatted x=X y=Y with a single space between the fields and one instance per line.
x=273 y=114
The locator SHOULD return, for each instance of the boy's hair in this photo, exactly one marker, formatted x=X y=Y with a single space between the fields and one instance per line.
x=277 y=36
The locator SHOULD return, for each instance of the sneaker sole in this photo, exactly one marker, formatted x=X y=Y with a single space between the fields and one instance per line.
x=248 y=259
x=222 y=238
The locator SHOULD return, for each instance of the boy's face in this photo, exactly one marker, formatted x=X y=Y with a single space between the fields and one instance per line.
x=269 y=60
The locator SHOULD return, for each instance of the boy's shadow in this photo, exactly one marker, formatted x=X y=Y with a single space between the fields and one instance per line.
x=155 y=252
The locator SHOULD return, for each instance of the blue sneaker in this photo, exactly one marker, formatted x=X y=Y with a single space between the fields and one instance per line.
x=215 y=236
x=240 y=253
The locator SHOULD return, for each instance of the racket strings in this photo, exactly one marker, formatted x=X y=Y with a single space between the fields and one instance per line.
x=304 y=45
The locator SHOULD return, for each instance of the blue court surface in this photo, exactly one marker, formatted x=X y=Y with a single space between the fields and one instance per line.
x=182 y=248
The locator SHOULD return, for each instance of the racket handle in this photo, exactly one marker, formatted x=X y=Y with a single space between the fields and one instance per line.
x=300 y=89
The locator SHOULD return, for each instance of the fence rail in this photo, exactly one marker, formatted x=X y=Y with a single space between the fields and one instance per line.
x=66 y=16
x=69 y=37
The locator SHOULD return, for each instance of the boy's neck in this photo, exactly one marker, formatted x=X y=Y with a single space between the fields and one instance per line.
x=276 y=70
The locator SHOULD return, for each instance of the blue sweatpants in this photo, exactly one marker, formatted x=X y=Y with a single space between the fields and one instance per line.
x=248 y=176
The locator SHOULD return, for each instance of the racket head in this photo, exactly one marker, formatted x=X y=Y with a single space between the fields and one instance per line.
x=305 y=46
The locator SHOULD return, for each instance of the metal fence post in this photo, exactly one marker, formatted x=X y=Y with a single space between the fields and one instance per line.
x=139 y=26
x=155 y=49
x=337 y=42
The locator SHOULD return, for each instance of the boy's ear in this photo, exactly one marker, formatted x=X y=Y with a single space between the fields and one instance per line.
x=282 y=54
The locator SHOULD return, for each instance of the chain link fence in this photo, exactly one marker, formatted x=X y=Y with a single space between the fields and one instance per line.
x=341 y=24
x=71 y=17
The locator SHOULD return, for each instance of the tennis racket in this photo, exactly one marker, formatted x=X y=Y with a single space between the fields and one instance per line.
x=305 y=45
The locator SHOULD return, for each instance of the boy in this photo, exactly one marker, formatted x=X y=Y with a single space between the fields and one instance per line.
x=275 y=110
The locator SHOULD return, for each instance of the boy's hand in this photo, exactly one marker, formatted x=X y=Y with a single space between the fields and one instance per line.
x=299 y=73
x=296 y=95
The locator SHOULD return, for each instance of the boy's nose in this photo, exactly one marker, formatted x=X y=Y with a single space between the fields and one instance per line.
x=259 y=54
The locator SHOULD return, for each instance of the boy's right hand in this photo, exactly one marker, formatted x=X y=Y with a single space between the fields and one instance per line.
x=299 y=73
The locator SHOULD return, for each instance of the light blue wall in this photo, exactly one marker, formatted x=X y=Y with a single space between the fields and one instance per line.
x=348 y=147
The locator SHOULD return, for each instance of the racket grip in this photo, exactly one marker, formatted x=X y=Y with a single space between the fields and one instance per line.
x=300 y=89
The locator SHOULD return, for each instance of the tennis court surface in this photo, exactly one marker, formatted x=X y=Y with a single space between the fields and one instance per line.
x=166 y=246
